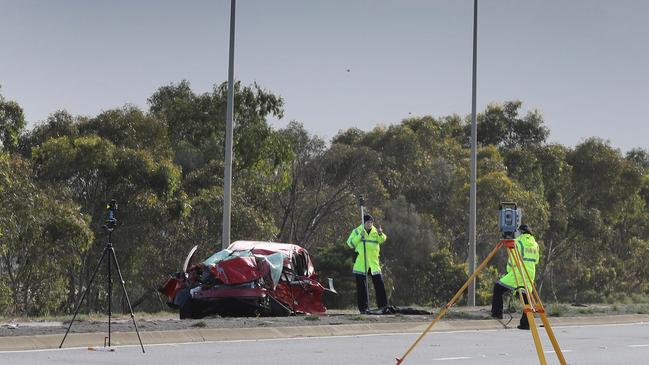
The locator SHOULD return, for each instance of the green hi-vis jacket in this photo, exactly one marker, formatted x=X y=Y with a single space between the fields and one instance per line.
x=373 y=241
x=529 y=250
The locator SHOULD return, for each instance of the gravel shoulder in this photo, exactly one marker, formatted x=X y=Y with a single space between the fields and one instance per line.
x=168 y=321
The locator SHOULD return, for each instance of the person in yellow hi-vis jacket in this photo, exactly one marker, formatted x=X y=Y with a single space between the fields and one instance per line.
x=529 y=250
x=373 y=238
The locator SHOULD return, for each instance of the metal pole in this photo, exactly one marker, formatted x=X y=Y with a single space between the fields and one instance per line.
x=227 y=181
x=110 y=285
x=367 y=282
x=474 y=142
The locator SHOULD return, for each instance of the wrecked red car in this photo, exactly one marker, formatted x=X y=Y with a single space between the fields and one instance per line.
x=249 y=278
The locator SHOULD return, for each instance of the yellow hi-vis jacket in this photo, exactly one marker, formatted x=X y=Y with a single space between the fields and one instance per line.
x=529 y=250
x=373 y=241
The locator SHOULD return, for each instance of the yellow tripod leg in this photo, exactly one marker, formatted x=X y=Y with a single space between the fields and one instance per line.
x=546 y=323
x=555 y=344
x=541 y=310
x=528 y=310
x=537 y=339
x=534 y=305
x=451 y=302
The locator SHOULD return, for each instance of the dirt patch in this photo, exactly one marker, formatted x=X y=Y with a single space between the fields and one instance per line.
x=170 y=321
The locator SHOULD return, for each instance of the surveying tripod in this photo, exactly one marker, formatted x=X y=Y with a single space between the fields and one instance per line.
x=109 y=255
x=523 y=281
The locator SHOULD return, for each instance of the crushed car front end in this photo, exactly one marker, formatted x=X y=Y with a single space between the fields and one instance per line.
x=249 y=278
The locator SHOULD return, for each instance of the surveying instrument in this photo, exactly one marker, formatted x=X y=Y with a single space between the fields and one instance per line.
x=109 y=251
x=509 y=221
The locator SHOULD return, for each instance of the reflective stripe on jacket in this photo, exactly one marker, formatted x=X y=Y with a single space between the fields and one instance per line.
x=373 y=241
x=529 y=250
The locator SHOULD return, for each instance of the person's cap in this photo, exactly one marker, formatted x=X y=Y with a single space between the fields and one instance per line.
x=367 y=217
x=524 y=228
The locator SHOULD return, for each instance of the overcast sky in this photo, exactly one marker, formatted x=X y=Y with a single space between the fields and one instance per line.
x=583 y=63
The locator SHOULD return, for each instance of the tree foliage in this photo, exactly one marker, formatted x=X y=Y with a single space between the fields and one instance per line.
x=12 y=123
x=587 y=205
x=42 y=240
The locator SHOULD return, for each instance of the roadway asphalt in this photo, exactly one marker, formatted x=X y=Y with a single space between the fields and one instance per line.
x=586 y=344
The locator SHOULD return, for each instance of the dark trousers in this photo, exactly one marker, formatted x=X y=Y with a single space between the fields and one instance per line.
x=497 y=303
x=361 y=293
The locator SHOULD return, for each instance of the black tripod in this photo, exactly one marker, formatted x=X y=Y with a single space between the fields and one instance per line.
x=109 y=251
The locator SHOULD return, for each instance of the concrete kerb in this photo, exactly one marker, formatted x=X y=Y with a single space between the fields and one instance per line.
x=13 y=343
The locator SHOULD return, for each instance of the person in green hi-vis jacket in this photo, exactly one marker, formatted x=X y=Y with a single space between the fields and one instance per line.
x=373 y=238
x=529 y=250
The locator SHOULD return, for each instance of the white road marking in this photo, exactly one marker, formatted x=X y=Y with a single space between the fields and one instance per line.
x=601 y=325
x=552 y=351
x=47 y=350
x=638 y=345
x=452 y=358
x=322 y=337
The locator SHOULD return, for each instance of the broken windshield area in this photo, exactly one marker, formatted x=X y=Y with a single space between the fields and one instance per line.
x=276 y=264
x=217 y=257
x=225 y=255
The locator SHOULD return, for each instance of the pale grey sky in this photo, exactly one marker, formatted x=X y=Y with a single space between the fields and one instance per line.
x=583 y=63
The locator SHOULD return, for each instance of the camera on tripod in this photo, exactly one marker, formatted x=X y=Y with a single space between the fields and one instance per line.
x=111 y=219
x=111 y=259
x=509 y=219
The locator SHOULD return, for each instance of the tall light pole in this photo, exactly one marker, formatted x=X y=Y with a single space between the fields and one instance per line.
x=474 y=142
x=227 y=180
